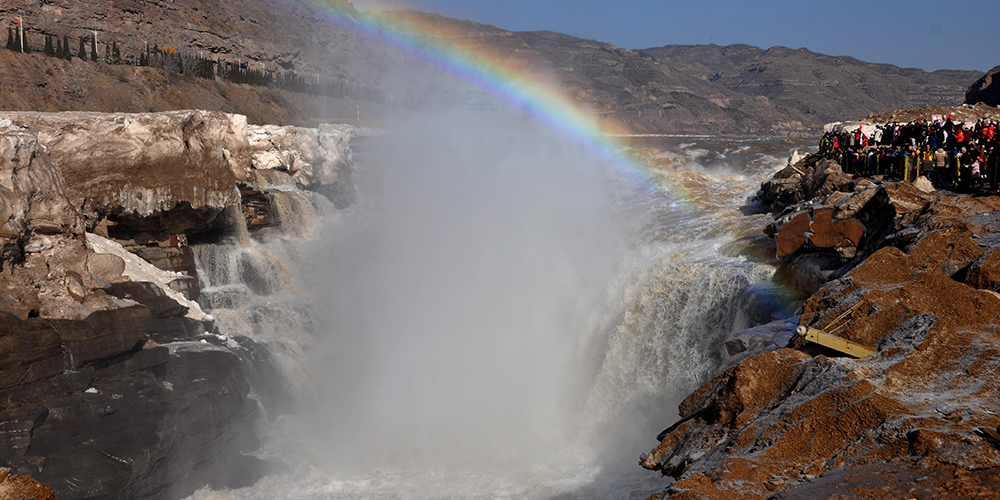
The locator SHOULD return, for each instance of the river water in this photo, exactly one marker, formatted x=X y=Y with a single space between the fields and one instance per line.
x=500 y=316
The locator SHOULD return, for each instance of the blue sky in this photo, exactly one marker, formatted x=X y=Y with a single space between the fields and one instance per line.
x=930 y=35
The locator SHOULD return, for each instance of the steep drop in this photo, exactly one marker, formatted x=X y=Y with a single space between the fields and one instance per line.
x=500 y=317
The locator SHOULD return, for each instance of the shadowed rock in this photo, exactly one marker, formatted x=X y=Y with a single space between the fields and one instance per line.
x=986 y=90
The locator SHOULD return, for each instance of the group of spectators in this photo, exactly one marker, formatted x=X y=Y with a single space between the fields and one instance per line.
x=961 y=155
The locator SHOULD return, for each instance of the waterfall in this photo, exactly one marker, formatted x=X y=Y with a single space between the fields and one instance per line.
x=252 y=280
x=491 y=320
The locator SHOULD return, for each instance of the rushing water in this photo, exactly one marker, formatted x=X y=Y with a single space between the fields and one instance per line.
x=498 y=317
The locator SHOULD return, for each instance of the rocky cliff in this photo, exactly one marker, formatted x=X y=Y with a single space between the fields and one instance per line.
x=115 y=383
x=986 y=89
x=896 y=267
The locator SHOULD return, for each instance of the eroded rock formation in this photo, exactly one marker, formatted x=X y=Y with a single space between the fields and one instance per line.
x=115 y=384
x=919 y=287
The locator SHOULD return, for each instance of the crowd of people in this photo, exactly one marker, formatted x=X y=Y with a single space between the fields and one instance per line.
x=964 y=156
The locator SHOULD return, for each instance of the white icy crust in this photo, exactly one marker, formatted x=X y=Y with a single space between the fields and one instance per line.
x=138 y=269
x=313 y=156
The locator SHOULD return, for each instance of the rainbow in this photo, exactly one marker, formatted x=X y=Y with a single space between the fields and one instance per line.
x=490 y=72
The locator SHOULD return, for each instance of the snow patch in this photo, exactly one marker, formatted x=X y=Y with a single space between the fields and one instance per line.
x=138 y=269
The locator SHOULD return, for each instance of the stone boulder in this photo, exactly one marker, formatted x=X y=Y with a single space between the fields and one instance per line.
x=95 y=410
x=984 y=273
x=817 y=229
x=986 y=90
x=824 y=179
x=808 y=179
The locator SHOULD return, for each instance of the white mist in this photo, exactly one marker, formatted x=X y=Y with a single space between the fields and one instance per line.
x=457 y=299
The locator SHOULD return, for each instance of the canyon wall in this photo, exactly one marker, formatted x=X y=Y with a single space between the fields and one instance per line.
x=116 y=383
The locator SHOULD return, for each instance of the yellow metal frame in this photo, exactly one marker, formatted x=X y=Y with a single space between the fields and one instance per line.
x=833 y=342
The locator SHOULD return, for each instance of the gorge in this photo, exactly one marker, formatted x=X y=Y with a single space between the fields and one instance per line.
x=527 y=262
x=274 y=349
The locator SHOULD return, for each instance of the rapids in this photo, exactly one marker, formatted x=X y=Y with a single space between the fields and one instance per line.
x=498 y=317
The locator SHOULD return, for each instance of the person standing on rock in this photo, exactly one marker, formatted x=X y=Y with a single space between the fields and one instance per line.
x=941 y=164
x=962 y=165
x=993 y=161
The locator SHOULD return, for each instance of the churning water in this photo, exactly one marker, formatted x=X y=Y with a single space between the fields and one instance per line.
x=498 y=316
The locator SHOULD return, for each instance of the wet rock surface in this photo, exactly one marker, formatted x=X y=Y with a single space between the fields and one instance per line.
x=915 y=420
x=114 y=383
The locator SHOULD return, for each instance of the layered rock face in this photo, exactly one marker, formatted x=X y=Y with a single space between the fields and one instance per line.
x=912 y=276
x=45 y=259
x=174 y=172
x=114 y=383
x=183 y=165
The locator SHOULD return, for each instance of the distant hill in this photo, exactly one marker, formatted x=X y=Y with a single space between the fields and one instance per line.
x=708 y=89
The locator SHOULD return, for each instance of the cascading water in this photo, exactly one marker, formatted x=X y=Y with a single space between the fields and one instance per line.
x=252 y=284
x=495 y=318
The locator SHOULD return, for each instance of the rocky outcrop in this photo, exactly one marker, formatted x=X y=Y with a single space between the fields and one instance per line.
x=786 y=416
x=796 y=419
x=97 y=410
x=115 y=384
x=808 y=179
x=157 y=172
x=148 y=176
x=317 y=159
x=986 y=90
x=44 y=260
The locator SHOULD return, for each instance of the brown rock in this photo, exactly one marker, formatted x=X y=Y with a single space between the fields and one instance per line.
x=821 y=222
x=985 y=272
x=986 y=90
x=30 y=350
x=696 y=487
x=103 y=334
x=134 y=166
x=17 y=487
x=106 y=267
x=850 y=206
x=949 y=249
x=792 y=235
x=938 y=344
x=852 y=230
x=824 y=179
x=924 y=184
x=44 y=254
